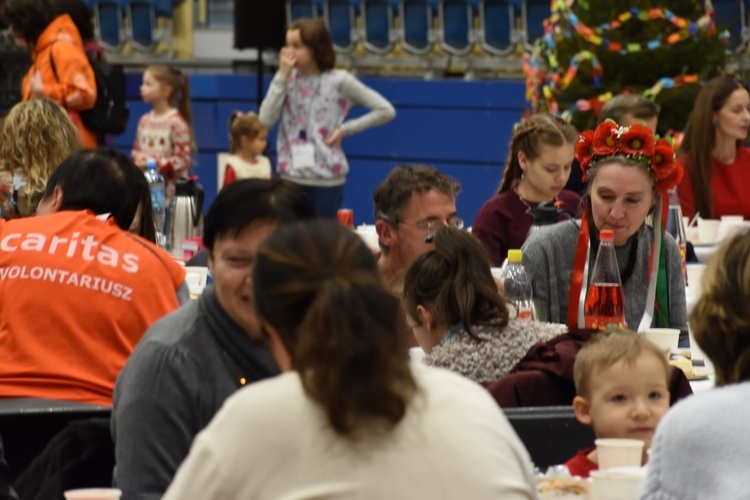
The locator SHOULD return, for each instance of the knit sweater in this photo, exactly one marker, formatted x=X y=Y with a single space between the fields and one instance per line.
x=701 y=448
x=549 y=254
x=499 y=351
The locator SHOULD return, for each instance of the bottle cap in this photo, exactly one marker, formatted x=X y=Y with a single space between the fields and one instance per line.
x=515 y=255
x=150 y=163
x=606 y=234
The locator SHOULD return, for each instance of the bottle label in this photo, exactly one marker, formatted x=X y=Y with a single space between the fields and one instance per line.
x=683 y=256
x=525 y=314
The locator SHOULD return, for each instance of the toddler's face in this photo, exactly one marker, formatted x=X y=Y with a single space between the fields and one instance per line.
x=258 y=145
x=627 y=400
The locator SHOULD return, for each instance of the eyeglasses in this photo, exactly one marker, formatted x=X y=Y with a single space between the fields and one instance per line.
x=432 y=226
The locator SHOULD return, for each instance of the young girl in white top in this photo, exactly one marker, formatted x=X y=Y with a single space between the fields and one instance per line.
x=312 y=100
x=165 y=134
x=247 y=142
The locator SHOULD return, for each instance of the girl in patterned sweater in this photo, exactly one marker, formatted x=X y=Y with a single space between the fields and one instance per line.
x=165 y=133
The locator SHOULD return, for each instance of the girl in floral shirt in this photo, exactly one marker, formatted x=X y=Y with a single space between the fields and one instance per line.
x=312 y=100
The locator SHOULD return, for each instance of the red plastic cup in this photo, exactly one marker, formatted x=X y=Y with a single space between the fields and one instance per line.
x=346 y=217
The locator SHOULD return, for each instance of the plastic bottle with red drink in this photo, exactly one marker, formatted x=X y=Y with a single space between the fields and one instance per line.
x=605 y=300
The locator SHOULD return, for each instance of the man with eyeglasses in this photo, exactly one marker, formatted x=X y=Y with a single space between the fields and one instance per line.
x=410 y=205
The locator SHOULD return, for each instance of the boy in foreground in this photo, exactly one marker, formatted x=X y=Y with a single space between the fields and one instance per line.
x=622 y=387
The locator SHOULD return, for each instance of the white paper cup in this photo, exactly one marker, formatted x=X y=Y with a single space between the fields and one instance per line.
x=617 y=452
x=93 y=494
x=708 y=230
x=620 y=483
x=695 y=277
x=732 y=218
x=666 y=339
x=728 y=230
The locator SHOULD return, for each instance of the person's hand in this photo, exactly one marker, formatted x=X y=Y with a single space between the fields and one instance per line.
x=37 y=84
x=287 y=61
x=335 y=138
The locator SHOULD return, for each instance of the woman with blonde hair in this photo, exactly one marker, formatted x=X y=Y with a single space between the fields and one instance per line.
x=37 y=135
x=714 y=465
x=351 y=416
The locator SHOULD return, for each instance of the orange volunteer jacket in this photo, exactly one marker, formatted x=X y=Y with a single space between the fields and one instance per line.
x=76 y=295
x=74 y=88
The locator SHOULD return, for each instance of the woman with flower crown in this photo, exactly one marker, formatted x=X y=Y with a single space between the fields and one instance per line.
x=628 y=173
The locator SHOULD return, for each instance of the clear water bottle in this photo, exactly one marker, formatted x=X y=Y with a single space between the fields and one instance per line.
x=156 y=185
x=676 y=226
x=517 y=286
x=605 y=300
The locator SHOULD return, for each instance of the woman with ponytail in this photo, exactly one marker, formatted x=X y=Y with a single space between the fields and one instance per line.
x=350 y=417
x=538 y=166
x=457 y=314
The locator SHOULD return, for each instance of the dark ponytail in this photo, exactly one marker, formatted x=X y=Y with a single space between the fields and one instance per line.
x=317 y=284
x=455 y=280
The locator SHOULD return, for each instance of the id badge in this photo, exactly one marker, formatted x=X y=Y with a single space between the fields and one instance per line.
x=303 y=155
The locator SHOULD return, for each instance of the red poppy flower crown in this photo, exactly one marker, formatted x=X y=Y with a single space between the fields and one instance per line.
x=636 y=144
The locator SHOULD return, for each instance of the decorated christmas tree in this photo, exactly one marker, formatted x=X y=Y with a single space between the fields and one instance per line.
x=594 y=49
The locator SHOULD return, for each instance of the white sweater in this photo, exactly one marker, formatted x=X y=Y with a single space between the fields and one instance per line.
x=701 y=449
x=270 y=441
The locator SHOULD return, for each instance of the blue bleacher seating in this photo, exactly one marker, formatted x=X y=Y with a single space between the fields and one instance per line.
x=497 y=26
x=145 y=34
x=297 y=9
x=417 y=33
x=378 y=27
x=108 y=21
x=731 y=15
x=533 y=14
x=340 y=16
x=456 y=21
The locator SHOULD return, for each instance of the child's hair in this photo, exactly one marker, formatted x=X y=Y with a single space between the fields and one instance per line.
x=721 y=319
x=37 y=135
x=454 y=277
x=315 y=36
x=530 y=136
x=609 y=347
x=178 y=81
x=628 y=104
x=243 y=124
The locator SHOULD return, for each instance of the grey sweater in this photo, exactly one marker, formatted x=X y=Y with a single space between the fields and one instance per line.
x=702 y=448
x=492 y=358
x=175 y=381
x=549 y=254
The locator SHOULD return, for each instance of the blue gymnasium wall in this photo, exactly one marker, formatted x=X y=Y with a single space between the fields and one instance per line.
x=462 y=128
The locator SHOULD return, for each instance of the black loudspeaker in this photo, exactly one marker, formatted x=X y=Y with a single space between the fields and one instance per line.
x=259 y=24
